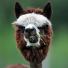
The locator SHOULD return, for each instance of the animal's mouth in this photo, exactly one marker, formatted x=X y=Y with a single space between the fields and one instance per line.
x=33 y=39
x=36 y=53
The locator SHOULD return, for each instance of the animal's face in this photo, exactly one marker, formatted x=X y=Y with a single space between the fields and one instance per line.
x=33 y=29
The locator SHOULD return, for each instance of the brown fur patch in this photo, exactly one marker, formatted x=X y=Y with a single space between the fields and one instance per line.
x=20 y=39
x=35 y=10
x=36 y=54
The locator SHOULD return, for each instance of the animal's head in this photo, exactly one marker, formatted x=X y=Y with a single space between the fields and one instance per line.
x=33 y=31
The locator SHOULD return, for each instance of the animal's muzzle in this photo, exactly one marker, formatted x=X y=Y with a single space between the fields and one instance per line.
x=31 y=35
x=33 y=39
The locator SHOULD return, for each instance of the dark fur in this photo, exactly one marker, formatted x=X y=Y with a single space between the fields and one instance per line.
x=36 y=54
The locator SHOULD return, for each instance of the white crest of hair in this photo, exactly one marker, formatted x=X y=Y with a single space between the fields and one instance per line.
x=32 y=18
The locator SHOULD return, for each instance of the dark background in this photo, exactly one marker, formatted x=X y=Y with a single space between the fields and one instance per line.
x=58 y=54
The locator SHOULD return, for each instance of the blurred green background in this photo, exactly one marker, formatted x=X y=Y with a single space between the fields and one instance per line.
x=58 y=54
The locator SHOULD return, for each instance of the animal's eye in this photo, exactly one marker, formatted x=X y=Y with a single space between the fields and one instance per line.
x=22 y=28
x=43 y=28
x=40 y=28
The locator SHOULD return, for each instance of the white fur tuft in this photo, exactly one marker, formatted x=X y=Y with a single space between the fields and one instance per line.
x=32 y=18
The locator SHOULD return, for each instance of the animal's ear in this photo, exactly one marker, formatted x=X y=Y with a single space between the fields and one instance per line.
x=18 y=10
x=47 y=11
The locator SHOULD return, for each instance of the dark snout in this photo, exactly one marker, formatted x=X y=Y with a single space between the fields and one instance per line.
x=33 y=39
x=31 y=35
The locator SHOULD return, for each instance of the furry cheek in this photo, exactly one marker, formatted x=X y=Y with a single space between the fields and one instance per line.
x=20 y=39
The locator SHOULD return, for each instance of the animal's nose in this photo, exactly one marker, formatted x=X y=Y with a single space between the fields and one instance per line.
x=31 y=35
x=30 y=32
x=33 y=39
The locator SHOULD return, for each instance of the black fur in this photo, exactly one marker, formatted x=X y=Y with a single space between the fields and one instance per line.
x=47 y=10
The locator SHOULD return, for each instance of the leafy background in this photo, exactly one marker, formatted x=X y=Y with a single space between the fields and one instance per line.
x=58 y=54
